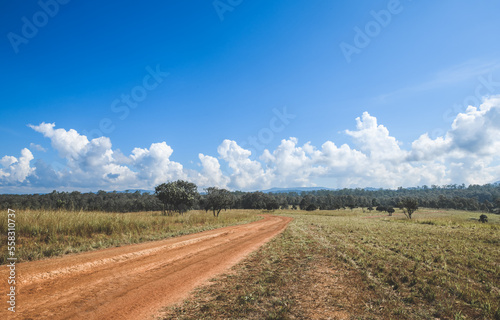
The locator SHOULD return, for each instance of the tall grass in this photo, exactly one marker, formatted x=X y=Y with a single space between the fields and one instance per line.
x=42 y=233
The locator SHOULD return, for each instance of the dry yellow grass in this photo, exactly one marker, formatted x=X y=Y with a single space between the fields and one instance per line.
x=42 y=233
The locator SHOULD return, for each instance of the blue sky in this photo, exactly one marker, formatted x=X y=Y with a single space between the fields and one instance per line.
x=248 y=94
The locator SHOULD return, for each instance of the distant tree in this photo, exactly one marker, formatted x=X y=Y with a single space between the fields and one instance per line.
x=254 y=200
x=390 y=210
x=60 y=204
x=177 y=196
x=381 y=208
x=351 y=202
x=218 y=199
x=487 y=206
x=311 y=207
x=306 y=201
x=271 y=202
x=496 y=205
x=483 y=218
x=474 y=197
x=203 y=203
x=370 y=209
x=410 y=205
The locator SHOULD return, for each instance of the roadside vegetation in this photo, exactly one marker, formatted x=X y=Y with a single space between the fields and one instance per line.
x=179 y=196
x=48 y=233
x=350 y=264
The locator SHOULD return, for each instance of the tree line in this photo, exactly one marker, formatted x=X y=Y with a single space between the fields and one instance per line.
x=169 y=197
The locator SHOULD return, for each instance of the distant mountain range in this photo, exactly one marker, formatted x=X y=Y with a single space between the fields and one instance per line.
x=295 y=189
x=135 y=190
x=279 y=190
x=308 y=189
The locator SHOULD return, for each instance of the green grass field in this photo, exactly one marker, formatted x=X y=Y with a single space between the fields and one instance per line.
x=360 y=265
x=41 y=234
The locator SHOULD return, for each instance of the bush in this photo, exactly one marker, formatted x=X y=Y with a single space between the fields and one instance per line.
x=390 y=210
x=483 y=218
x=311 y=207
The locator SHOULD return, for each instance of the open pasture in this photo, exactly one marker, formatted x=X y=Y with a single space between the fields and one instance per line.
x=359 y=265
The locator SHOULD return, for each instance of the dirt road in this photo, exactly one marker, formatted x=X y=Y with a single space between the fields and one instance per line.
x=135 y=281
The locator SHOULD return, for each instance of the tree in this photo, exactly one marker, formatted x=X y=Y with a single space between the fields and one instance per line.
x=253 y=200
x=410 y=205
x=390 y=210
x=177 y=196
x=351 y=202
x=497 y=202
x=307 y=200
x=218 y=199
x=304 y=203
x=312 y=207
x=271 y=203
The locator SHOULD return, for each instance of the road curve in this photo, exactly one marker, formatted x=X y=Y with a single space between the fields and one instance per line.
x=134 y=281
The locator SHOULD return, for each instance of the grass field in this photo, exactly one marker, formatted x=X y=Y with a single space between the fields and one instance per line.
x=41 y=234
x=356 y=265
x=326 y=264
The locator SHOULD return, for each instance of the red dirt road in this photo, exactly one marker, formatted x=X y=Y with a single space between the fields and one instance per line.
x=131 y=282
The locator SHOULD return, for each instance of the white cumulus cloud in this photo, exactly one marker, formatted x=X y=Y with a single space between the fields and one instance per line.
x=16 y=170
x=375 y=140
x=246 y=173
x=67 y=143
x=469 y=152
x=210 y=174
x=154 y=164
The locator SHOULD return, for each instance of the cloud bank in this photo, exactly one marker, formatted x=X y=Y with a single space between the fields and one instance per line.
x=468 y=153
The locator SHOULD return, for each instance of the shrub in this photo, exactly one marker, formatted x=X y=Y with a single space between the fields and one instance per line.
x=390 y=210
x=311 y=207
